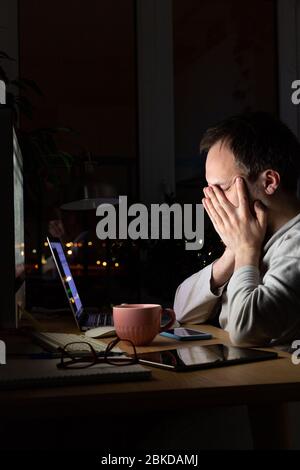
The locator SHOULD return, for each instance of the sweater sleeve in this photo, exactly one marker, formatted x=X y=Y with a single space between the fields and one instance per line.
x=262 y=310
x=194 y=300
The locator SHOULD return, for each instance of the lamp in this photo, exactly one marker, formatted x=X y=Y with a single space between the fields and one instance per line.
x=94 y=192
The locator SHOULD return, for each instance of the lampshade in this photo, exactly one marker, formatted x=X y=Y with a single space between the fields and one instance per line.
x=94 y=192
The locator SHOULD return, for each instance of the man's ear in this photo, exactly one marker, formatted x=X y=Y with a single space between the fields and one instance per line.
x=270 y=181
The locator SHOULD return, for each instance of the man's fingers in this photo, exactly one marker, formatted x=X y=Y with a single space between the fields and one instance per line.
x=213 y=214
x=208 y=212
x=242 y=195
x=218 y=195
x=209 y=192
x=210 y=215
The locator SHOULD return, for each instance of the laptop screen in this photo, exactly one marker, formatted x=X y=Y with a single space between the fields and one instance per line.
x=66 y=276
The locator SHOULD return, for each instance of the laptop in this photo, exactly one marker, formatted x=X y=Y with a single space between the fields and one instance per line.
x=85 y=320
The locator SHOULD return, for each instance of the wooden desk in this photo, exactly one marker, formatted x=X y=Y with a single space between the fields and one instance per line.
x=263 y=386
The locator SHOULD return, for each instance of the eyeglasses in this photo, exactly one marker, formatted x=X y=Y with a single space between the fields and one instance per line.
x=80 y=355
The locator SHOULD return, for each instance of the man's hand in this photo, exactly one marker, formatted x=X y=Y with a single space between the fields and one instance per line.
x=222 y=270
x=240 y=231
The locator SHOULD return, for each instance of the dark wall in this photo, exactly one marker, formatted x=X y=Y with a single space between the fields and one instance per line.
x=225 y=62
x=81 y=54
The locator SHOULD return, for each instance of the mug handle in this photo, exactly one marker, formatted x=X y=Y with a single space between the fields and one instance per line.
x=172 y=316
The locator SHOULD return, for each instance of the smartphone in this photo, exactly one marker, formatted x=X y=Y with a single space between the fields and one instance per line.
x=185 y=334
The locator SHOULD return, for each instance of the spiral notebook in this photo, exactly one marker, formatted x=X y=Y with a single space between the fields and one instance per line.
x=20 y=373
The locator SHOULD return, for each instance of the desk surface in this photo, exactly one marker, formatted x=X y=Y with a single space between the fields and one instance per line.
x=264 y=382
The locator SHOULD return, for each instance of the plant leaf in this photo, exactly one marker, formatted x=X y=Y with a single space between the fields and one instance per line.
x=5 y=56
x=24 y=83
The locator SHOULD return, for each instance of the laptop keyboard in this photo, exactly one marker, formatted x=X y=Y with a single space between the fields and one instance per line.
x=99 y=319
x=52 y=341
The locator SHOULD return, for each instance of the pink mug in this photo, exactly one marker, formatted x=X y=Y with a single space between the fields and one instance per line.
x=140 y=323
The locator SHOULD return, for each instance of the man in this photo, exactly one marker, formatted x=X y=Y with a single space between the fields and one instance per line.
x=252 y=169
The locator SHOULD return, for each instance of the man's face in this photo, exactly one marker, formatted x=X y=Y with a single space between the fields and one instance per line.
x=222 y=170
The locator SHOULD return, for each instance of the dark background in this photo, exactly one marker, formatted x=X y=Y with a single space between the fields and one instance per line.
x=82 y=55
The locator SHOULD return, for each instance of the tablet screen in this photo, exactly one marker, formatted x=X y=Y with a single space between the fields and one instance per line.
x=197 y=357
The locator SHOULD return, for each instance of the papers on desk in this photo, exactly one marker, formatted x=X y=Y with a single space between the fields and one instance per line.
x=20 y=373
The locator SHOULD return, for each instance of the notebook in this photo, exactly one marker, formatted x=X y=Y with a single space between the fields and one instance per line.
x=20 y=373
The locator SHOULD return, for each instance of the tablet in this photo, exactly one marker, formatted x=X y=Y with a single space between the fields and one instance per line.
x=203 y=357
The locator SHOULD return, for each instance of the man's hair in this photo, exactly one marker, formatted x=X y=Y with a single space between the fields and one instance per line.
x=258 y=142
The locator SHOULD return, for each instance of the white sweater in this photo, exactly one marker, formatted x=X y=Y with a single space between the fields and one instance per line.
x=258 y=306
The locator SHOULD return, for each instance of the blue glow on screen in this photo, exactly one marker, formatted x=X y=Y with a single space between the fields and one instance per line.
x=67 y=277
